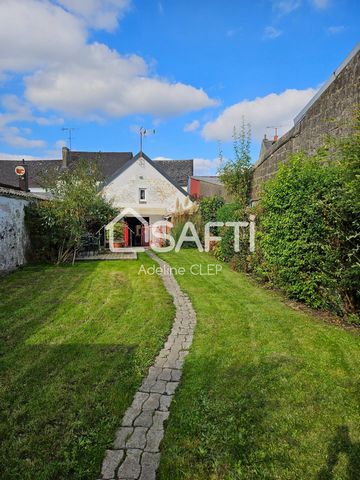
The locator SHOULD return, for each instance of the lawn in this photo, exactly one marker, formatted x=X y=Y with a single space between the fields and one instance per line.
x=268 y=392
x=75 y=343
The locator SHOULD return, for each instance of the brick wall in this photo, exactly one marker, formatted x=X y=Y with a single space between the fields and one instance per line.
x=329 y=115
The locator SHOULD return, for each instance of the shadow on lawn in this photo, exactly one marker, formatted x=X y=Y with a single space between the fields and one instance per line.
x=342 y=444
x=60 y=404
x=31 y=296
x=241 y=420
x=60 y=407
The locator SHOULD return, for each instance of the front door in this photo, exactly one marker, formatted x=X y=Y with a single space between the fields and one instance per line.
x=136 y=232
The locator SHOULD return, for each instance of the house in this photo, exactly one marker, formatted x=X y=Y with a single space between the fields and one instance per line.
x=152 y=188
x=143 y=185
x=109 y=162
x=206 y=186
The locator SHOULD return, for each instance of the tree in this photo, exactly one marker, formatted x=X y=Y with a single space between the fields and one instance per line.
x=76 y=209
x=236 y=173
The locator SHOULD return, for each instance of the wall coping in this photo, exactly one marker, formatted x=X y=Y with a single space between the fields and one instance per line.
x=11 y=192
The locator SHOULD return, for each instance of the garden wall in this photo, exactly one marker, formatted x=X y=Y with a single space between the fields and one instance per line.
x=13 y=234
x=329 y=113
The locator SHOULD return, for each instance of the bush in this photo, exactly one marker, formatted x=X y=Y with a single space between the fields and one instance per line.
x=224 y=250
x=209 y=207
x=309 y=228
x=76 y=211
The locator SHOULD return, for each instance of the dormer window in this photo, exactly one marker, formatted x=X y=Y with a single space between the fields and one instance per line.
x=142 y=195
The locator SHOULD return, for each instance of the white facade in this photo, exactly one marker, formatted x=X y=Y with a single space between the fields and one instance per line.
x=143 y=188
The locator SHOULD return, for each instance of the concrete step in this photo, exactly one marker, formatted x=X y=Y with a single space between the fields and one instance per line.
x=109 y=256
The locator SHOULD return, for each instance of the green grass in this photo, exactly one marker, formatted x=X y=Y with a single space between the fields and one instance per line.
x=75 y=342
x=267 y=392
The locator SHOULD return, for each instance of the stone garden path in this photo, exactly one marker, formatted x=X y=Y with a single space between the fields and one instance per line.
x=135 y=453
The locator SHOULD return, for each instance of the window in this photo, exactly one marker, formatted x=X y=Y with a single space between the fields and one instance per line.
x=142 y=195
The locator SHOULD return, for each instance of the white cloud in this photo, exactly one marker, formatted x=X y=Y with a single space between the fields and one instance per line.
x=10 y=156
x=336 y=29
x=272 y=32
x=160 y=8
x=205 y=166
x=320 y=4
x=12 y=136
x=233 y=31
x=15 y=110
x=104 y=83
x=35 y=33
x=273 y=109
x=192 y=126
x=101 y=14
x=79 y=78
x=284 y=7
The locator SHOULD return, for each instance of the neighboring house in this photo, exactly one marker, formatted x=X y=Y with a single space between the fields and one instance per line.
x=206 y=186
x=109 y=162
x=153 y=188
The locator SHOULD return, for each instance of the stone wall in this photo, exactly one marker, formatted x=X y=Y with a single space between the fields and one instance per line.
x=330 y=114
x=13 y=235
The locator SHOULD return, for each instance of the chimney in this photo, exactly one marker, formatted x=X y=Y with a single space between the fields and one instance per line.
x=65 y=157
x=23 y=179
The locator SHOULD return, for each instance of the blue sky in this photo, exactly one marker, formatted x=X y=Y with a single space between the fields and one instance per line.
x=191 y=70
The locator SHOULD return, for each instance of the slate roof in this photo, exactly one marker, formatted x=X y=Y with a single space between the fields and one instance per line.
x=109 y=162
x=177 y=171
x=34 y=167
x=208 y=178
x=13 y=192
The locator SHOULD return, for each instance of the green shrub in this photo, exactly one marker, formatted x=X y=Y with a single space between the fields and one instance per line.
x=224 y=250
x=57 y=227
x=309 y=228
x=209 y=207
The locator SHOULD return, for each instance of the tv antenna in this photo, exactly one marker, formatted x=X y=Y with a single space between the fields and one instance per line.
x=144 y=133
x=69 y=130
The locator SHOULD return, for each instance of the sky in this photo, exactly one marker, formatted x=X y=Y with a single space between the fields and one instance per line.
x=191 y=70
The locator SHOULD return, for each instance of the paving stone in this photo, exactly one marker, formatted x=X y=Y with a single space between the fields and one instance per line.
x=164 y=352
x=175 y=375
x=158 y=387
x=171 y=387
x=139 y=399
x=147 y=384
x=138 y=438
x=165 y=401
x=130 y=415
x=155 y=371
x=165 y=374
x=160 y=362
x=153 y=440
x=150 y=463
x=144 y=419
x=138 y=441
x=121 y=436
x=159 y=419
x=179 y=364
x=130 y=468
x=111 y=462
x=152 y=403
